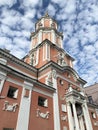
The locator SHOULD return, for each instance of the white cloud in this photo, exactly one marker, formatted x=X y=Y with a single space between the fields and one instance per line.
x=9 y=3
x=30 y=3
x=6 y=42
x=51 y=9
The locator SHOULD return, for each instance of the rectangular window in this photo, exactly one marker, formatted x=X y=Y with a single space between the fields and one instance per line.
x=42 y=102
x=12 y=92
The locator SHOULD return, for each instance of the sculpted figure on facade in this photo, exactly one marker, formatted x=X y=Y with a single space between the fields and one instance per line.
x=43 y=115
x=8 y=107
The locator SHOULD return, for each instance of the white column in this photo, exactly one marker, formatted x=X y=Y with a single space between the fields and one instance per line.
x=75 y=116
x=81 y=123
x=24 y=108
x=70 y=118
x=55 y=103
x=40 y=37
x=87 y=117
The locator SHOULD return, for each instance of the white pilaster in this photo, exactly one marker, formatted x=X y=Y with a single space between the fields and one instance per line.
x=24 y=108
x=42 y=21
x=37 y=56
x=75 y=116
x=40 y=37
x=61 y=43
x=56 y=104
x=87 y=117
x=53 y=36
x=70 y=118
x=2 y=80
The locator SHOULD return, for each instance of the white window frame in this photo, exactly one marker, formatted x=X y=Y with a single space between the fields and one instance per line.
x=63 y=107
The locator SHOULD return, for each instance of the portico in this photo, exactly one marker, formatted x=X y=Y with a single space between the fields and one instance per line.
x=78 y=114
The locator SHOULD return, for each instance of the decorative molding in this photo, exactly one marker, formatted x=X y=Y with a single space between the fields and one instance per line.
x=42 y=115
x=54 y=74
x=14 y=81
x=49 y=79
x=3 y=61
x=2 y=97
x=42 y=92
x=8 y=107
x=21 y=72
x=64 y=117
x=96 y=123
x=16 y=60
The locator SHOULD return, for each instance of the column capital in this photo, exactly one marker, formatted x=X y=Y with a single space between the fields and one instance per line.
x=68 y=103
x=73 y=102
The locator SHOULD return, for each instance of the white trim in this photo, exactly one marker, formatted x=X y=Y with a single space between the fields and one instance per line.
x=50 y=22
x=44 y=75
x=42 y=21
x=14 y=81
x=37 y=57
x=47 y=52
x=3 y=61
x=44 y=52
x=68 y=81
x=64 y=109
x=53 y=36
x=2 y=78
x=43 y=92
x=61 y=43
x=40 y=37
x=22 y=72
x=24 y=109
x=87 y=116
x=55 y=106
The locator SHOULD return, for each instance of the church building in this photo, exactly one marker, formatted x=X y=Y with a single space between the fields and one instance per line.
x=43 y=91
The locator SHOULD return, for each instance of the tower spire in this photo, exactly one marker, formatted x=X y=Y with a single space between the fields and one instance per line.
x=46 y=14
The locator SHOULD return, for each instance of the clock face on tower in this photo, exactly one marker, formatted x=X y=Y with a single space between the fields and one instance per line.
x=78 y=109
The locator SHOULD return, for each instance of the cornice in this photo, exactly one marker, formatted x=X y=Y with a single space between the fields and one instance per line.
x=53 y=45
x=20 y=75
x=45 y=29
x=92 y=105
x=45 y=17
x=14 y=59
x=62 y=69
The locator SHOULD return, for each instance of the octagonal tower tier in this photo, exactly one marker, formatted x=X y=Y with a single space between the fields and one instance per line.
x=46 y=28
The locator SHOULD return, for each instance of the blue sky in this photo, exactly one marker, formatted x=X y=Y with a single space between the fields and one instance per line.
x=77 y=19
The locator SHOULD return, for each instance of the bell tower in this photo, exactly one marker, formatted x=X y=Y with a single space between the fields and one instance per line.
x=46 y=44
x=46 y=28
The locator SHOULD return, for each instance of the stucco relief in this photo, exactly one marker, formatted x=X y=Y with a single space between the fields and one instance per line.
x=42 y=115
x=96 y=123
x=9 y=107
x=54 y=74
x=63 y=117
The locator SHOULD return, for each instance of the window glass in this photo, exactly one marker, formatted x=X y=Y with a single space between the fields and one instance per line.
x=42 y=102
x=12 y=92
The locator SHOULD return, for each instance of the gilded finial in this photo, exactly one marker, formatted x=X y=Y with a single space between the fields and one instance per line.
x=46 y=14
